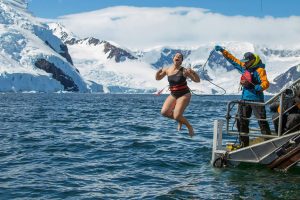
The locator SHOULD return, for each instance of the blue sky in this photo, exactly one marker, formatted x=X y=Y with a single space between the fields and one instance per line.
x=258 y=8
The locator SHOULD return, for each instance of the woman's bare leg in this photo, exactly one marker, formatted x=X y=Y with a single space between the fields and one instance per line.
x=179 y=126
x=168 y=107
x=181 y=104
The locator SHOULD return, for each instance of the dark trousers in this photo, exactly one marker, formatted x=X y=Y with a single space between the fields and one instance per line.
x=245 y=111
x=293 y=122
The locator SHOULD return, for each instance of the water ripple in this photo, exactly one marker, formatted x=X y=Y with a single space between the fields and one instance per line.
x=89 y=146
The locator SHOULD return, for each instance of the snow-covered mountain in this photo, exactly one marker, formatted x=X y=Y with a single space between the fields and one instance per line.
x=288 y=77
x=31 y=57
x=36 y=56
x=105 y=63
x=282 y=65
x=121 y=67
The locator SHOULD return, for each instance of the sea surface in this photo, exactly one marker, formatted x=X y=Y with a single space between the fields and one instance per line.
x=113 y=146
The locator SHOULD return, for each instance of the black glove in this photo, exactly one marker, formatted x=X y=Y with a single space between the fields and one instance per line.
x=246 y=84
x=219 y=48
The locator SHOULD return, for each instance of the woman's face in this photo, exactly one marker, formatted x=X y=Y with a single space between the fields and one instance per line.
x=178 y=59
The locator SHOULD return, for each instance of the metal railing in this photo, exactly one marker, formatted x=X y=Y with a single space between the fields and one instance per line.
x=287 y=92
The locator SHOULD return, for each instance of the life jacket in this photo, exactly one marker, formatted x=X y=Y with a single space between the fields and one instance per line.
x=246 y=79
x=246 y=76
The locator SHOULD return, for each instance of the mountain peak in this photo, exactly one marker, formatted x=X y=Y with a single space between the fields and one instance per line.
x=112 y=51
x=61 y=32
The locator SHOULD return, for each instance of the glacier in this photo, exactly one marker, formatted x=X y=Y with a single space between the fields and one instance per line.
x=24 y=40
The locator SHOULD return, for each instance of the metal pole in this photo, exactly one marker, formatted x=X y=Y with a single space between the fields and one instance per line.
x=217 y=139
x=280 y=114
x=228 y=116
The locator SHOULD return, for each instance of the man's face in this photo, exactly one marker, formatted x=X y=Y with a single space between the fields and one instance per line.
x=249 y=63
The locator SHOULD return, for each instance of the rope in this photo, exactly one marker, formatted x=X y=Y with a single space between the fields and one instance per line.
x=203 y=69
x=160 y=91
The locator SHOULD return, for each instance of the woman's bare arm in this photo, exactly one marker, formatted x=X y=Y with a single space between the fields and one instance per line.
x=192 y=75
x=160 y=74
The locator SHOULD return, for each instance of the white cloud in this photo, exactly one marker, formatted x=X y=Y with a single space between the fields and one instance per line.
x=141 y=28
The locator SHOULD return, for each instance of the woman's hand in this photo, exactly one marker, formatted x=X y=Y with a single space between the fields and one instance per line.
x=160 y=74
x=187 y=72
x=191 y=74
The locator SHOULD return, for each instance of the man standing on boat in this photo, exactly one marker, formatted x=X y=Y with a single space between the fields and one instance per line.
x=253 y=81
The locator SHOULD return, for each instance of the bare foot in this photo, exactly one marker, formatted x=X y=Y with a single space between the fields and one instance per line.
x=191 y=131
x=179 y=126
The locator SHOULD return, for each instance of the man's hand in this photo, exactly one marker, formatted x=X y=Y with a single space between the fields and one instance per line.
x=246 y=84
x=219 y=48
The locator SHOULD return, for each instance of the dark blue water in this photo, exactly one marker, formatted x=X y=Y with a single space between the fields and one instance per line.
x=85 y=146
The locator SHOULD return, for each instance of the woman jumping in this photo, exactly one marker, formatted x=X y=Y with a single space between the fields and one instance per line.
x=180 y=96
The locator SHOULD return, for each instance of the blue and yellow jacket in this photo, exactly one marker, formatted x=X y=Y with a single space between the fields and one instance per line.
x=258 y=73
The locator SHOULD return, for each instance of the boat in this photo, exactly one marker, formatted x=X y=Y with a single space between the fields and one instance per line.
x=278 y=151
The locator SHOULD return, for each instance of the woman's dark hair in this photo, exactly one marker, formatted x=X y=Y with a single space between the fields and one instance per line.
x=180 y=54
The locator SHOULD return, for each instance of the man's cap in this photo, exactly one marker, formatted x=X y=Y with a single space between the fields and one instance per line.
x=248 y=56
